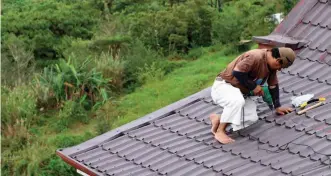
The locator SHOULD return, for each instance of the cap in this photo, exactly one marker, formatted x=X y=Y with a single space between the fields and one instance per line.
x=287 y=56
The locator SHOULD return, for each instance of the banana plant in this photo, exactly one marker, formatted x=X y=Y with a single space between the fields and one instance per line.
x=65 y=82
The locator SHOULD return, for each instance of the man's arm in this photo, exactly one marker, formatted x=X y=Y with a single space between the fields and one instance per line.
x=274 y=92
x=243 y=79
x=240 y=72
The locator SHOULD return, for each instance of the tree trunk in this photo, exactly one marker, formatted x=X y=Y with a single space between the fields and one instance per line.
x=107 y=7
x=171 y=2
x=211 y=3
x=219 y=5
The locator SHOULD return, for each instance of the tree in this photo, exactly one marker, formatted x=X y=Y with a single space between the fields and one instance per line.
x=243 y=19
x=288 y=5
x=47 y=27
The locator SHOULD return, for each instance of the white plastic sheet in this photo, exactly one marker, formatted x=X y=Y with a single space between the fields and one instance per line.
x=298 y=100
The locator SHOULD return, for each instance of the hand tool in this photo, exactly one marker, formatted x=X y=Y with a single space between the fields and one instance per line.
x=303 y=105
x=266 y=97
x=311 y=107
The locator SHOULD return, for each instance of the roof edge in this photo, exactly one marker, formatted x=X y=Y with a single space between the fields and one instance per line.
x=94 y=142
x=75 y=164
x=280 y=41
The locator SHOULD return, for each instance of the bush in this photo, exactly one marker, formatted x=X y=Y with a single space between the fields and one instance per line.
x=79 y=51
x=17 y=104
x=230 y=49
x=56 y=166
x=216 y=47
x=106 y=116
x=195 y=53
x=169 y=66
x=70 y=113
x=150 y=73
x=137 y=57
x=16 y=136
x=111 y=69
x=68 y=140
x=28 y=161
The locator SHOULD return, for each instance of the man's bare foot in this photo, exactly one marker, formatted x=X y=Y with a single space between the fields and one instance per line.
x=215 y=121
x=221 y=137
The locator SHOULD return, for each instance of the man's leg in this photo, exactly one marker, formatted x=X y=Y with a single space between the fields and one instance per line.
x=232 y=100
x=221 y=136
x=215 y=122
x=218 y=129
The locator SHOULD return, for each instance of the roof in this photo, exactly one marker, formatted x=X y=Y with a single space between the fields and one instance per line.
x=176 y=140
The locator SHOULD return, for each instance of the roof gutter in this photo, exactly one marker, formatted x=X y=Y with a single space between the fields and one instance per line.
x=75 y=164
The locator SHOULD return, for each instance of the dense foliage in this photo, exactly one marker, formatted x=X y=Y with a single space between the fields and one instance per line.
x=71 y=69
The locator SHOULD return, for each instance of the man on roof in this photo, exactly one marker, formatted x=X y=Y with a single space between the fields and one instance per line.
x=243 y=77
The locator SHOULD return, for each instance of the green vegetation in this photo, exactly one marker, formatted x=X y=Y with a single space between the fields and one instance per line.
x=157 y=93
x=74 y=69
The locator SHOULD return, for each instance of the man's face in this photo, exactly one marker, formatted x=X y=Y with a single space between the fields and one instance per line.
x=276 y=64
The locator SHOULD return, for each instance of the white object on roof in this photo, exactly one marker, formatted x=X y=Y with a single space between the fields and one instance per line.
x=298 y=100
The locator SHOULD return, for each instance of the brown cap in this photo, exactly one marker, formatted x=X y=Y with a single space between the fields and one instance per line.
x=287 y=56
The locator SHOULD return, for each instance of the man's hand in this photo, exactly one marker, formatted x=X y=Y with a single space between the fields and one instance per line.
x=258 y=91
x=283 y=110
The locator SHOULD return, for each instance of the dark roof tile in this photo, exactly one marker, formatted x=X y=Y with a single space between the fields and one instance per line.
x=161 y=160
x=190 y=169
x=320 y=114
x=205 y=137
x=193 y=108
x=301 y=30
x=170 y=119
x=133 y=170
x=183 y=145
x=217 y=158
x=304 y=53
x=322 y=35
x=109 y=157
x=143 y=159
x=230 y=164
x=111 y=164
x=324 y=43
x=252 y=169
x=199 y=158
x=89 y=154
x=319 y=171
x=135 y=156
x=308 y=145
x=317 y=18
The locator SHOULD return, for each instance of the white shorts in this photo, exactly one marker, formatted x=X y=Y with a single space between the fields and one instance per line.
x=237 y=110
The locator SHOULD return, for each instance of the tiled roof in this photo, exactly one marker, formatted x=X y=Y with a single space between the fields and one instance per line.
x=176 y=140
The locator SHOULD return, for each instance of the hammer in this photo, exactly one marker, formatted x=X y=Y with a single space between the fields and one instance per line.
x=309 y=108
